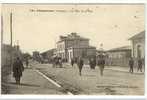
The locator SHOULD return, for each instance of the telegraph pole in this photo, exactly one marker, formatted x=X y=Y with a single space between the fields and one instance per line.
x=1 y=30
x=11 y=28
x=11 y=40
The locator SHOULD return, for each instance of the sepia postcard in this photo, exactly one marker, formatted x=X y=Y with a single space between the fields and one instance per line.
x=73 y=49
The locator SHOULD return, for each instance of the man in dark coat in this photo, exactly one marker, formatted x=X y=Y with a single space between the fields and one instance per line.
x=27 y=62
x=18 y=68
x=80 y=65
x=139 y=65
x=101 y=64
x=55 y=61
x=131 y=64
x=60 y=62
x=92 y=63
x=72 y=62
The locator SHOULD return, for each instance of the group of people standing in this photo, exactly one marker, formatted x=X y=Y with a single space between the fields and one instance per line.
x=57 y=61
x=131 y=64
x=18 y=67
x=101 y=63
x=92 y=64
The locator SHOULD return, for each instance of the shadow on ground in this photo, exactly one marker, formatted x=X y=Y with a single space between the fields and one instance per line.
x=24 y=84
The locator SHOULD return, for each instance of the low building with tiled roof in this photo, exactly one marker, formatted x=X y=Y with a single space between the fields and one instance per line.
x=118 y=56
x=123 y=48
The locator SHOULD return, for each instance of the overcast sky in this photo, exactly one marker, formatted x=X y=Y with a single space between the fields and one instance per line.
x=37 y=28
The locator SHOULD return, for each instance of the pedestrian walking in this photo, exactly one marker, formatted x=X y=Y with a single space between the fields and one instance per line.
x=139 y=65
x=27 y=62
x=18 y=68
x=131 y=64
x=101 y=63
x=75 y=60
x=72 y=62
x=55 y=61
x=60 y=62
x=80 y=65
x=92 y=63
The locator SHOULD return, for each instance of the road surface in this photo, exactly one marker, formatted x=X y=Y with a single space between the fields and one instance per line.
x=32 y=83
x=114 y=82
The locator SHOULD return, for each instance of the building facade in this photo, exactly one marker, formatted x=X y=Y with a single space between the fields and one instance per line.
x=138 y=45
x=47 y=55
x=86 y=52
x=73 y=45
x=36 y=56
x=118 y=56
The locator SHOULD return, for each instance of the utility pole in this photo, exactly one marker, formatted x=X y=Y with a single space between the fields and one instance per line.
x=11 y=40
x=1 y=30
x=11 y=27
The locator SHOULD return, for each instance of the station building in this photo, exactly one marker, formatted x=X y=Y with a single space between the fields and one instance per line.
x=73 y=46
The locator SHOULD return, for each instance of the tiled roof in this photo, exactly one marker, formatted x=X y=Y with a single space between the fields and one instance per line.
x=48 y=51
x=120 y=49
x=78 y=47
x=139 y=35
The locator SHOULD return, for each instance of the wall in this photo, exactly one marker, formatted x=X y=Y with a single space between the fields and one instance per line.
x=5 y=55
x=119 y=58
x=6 y=51
x=85 y=53
x=76 y=43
